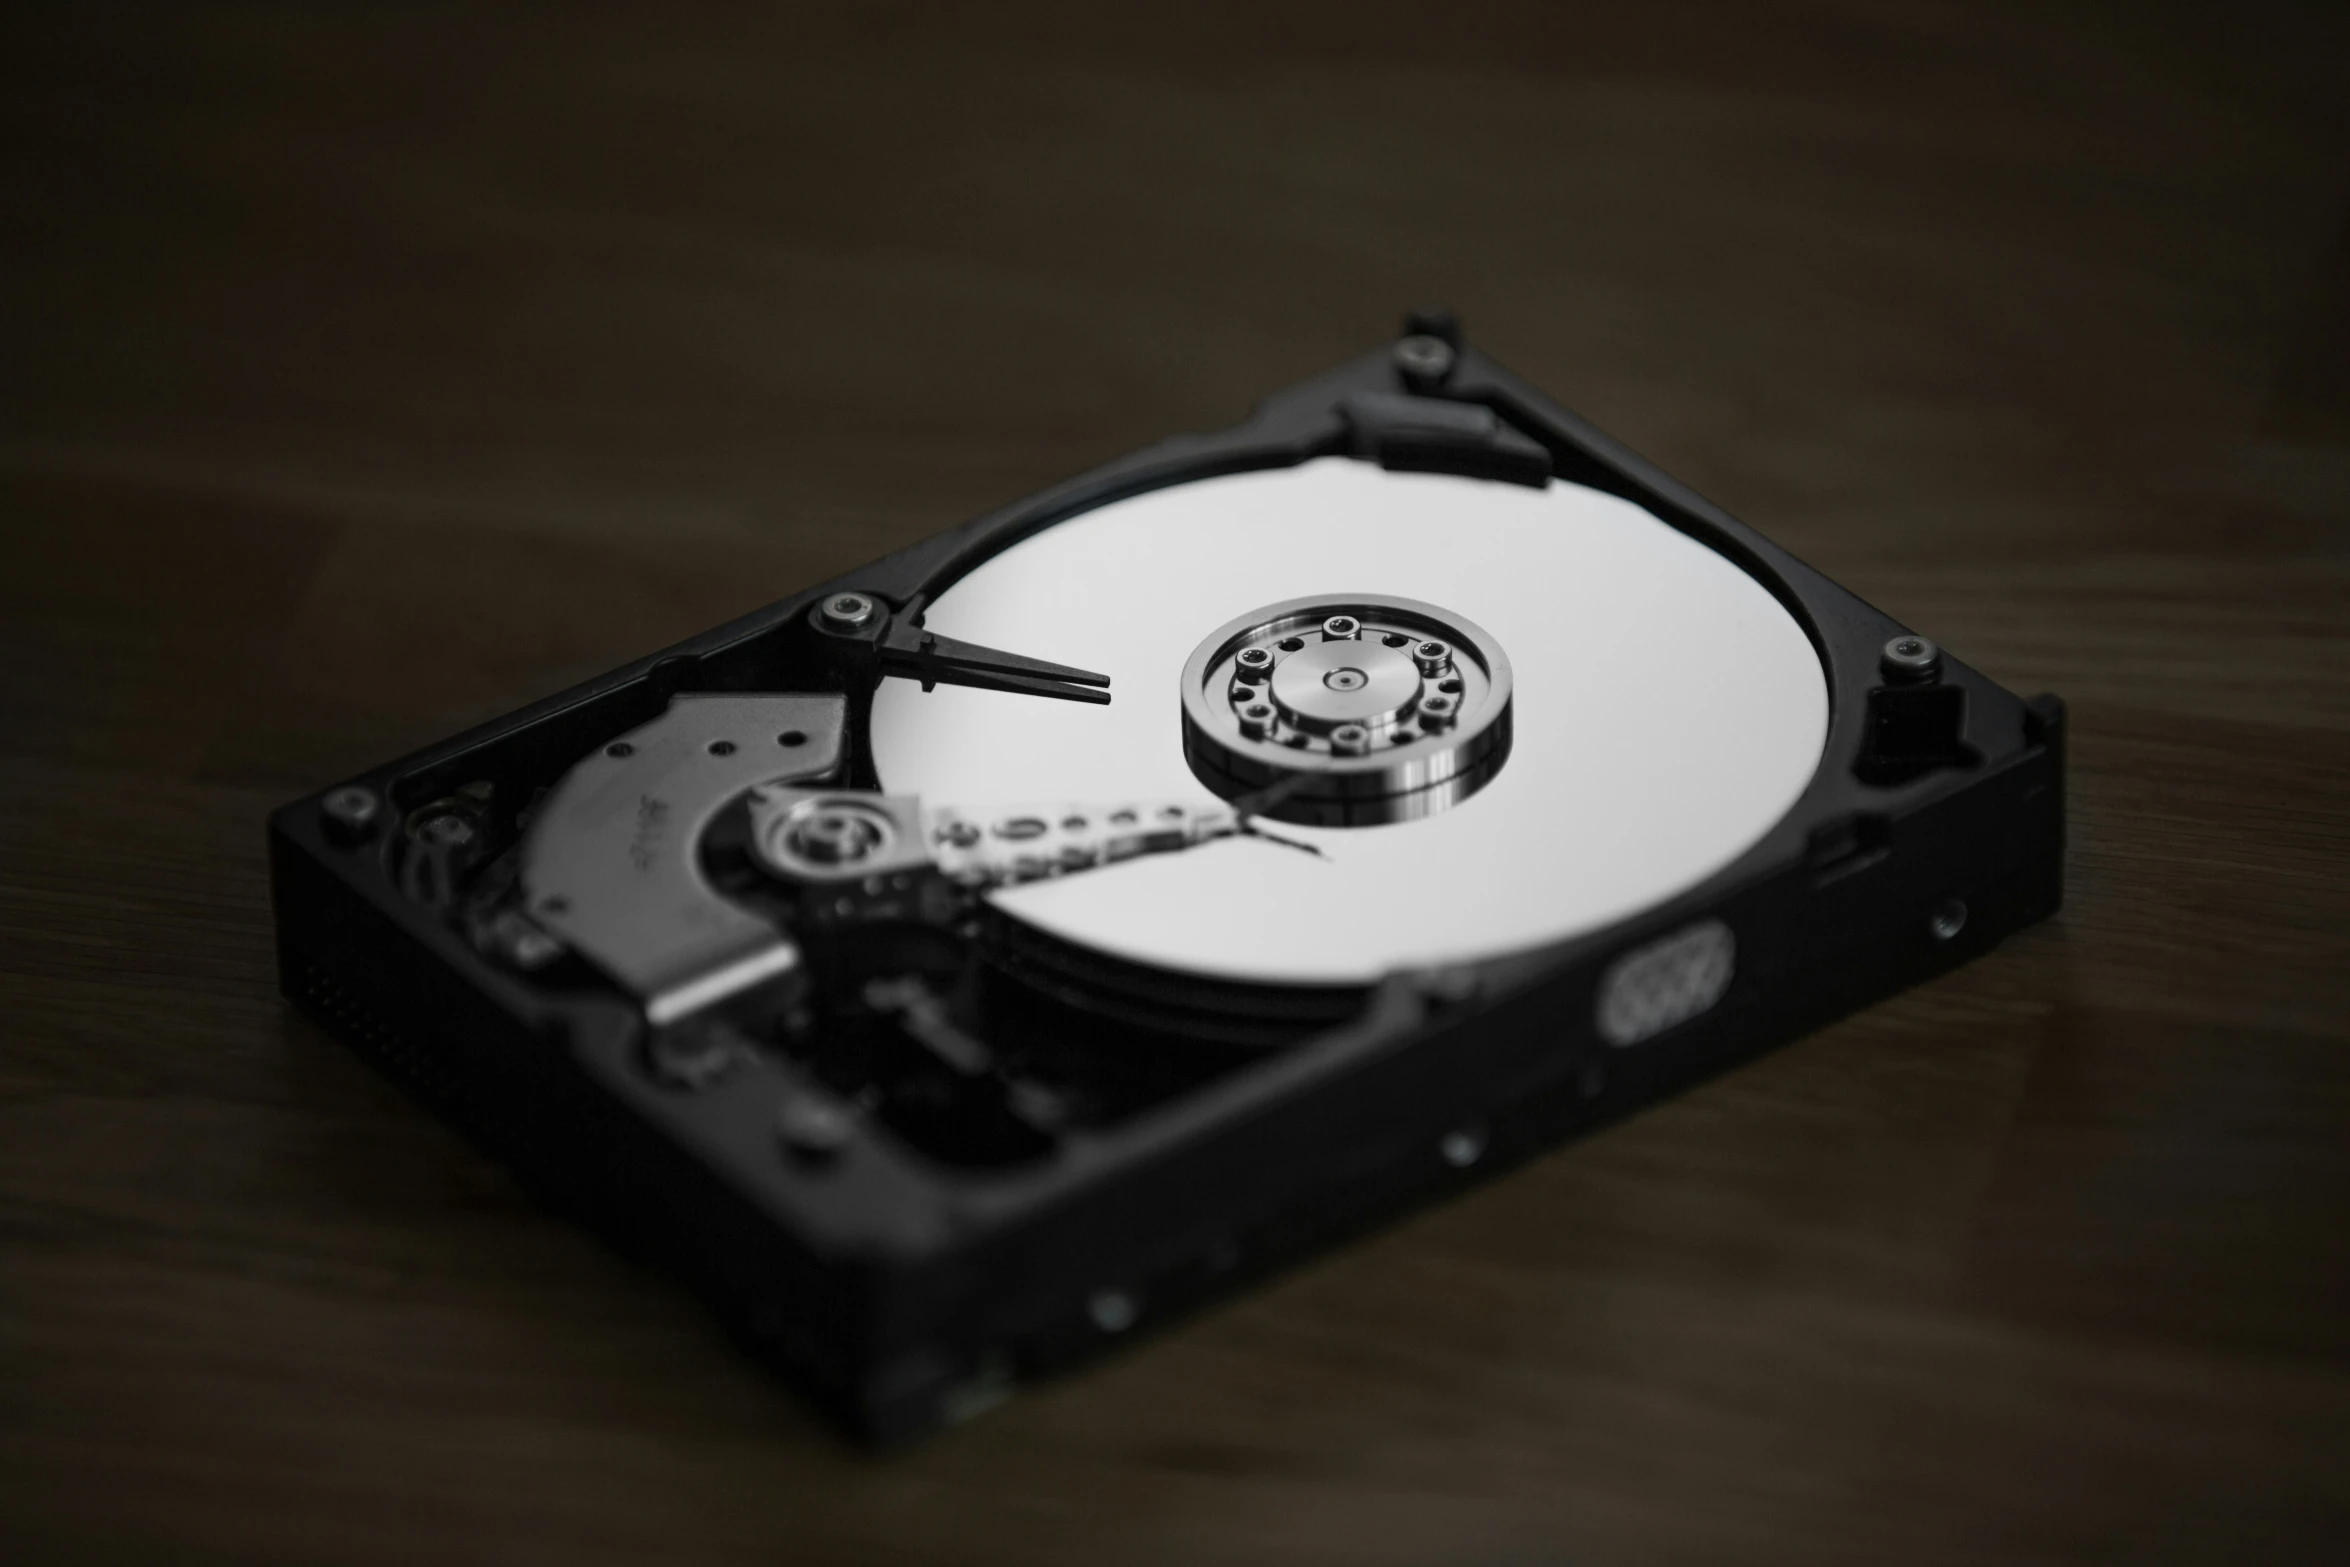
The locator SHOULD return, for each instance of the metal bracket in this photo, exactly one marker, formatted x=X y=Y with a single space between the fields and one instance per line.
x=612 y=861
x=898 y=644
x=1432 y=435
x=852 y=839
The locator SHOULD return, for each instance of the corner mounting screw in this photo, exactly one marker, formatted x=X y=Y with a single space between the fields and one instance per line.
x=847 y=613
x=352 y=813
x=1424 y=358
x=1910 y=659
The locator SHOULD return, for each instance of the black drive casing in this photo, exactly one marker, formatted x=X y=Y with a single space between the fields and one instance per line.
x=901 y=1293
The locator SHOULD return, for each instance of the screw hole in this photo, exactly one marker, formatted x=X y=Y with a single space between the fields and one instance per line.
x=1289 y=644
x=791 y=737
x=1395 y=639
x=620 y=748
x=722 y=748
x=1463 y=1147
x=1112 y=1311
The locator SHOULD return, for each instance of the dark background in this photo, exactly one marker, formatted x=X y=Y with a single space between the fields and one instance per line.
x=366 y=371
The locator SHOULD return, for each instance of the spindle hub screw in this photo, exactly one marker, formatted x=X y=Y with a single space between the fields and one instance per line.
x=351 y=813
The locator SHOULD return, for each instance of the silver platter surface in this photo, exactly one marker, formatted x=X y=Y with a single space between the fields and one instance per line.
x=1665 y=712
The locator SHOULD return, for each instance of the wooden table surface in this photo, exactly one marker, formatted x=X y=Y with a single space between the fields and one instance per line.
x=366 y=372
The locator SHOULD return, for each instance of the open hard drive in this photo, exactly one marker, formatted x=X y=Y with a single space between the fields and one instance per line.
x=965 y=964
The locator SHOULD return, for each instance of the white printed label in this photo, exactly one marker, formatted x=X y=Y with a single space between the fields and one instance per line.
x=1669 y=981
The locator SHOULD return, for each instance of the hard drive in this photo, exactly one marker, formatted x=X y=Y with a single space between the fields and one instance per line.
x=969 y=964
